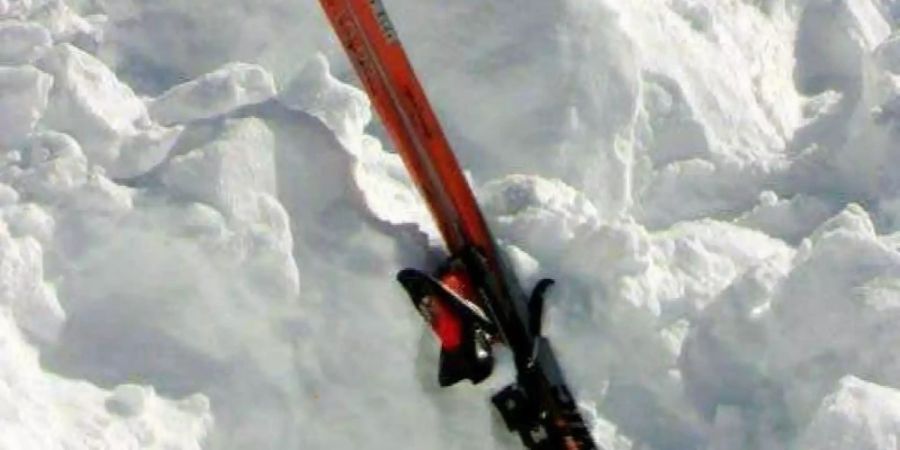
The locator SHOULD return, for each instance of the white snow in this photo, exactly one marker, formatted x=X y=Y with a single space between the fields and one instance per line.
x=23 y=99
x=213 y=94
x=22 y=42
x=201 y=219
x=857 y=415
x=103 y=114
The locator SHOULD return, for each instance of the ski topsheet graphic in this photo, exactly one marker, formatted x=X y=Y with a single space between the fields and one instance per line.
x=473 y=301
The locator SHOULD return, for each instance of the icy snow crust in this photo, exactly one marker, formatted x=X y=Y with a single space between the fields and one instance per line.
x=200 y=222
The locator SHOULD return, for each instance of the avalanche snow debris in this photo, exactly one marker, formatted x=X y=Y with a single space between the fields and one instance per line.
x=52 y=165
x=15 y=8
x=31 y=220
x=537 y=214
x=22 y=42
x=789 y=357
x=8 y=195
x=833 y=40
x=788 y=219
x=858 y=415
x=103 y=114
x=379 y=175
x=41 y=410
x=226 y=89
x=67 y=26
x=23 y=98
x=888 y=54
x=676 y=180
x=33 y=303
x=343 y=108
x=230 y=173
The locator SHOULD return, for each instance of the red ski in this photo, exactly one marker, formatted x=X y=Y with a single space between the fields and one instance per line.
x=472 y=301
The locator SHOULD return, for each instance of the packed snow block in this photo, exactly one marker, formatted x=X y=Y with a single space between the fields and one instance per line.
x=66 y=25
x=888 y=54
x=270 y=260
x=345 y=111
x=539 y=215
x=29 y=220
x=790 y=219
x=24 y=95
x=17 y=9
x=230 y=172
x=106 y=117
x=216 y=93
x=696 y=188
x=343 y=108
x=52 y=164
x=8 y=195
x=22 y=42
x=858 y=415
x=833 y=38
x=672 y=132
x=33 y=302
x=697 y=13
x=385 y=185
x=780 y=338
x=101 y=196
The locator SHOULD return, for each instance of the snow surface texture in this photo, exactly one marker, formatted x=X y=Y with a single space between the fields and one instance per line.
x=200 y=222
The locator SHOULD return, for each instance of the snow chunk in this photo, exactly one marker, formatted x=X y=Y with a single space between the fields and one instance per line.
x=341 y=107
x=779 y=338
x=230 y=172
x=52 y=165
x=853 y=219
x=673 y=132
x=128 y=400
x=789 y=219
x=832 y=41
x=888 y=54
x=216 y=93
x=67 y=26
x=100 y=195
x=103 y=114
x=538 y=214
x=8 y=195
x=15 y=8
x=29 y=219
x=858 y=415
x=22 y=42
x=23 y=99
x=22 y=289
